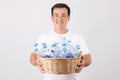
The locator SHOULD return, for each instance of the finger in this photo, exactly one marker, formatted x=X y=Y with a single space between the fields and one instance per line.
x=82 y=58
x=42 y=70
x=79 y=69
x=39 y=62
x=39 y=66
x=80 y=64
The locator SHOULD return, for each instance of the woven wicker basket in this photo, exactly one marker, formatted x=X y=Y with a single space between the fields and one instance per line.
x=60 y=65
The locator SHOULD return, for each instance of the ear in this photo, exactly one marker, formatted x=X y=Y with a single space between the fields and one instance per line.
x=68 y=18
x=52 y=18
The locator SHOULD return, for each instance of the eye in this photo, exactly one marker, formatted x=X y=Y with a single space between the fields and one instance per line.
x=56 y=15
x=63 y=15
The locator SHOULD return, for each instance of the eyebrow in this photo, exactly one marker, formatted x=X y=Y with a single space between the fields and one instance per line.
x=62 y=13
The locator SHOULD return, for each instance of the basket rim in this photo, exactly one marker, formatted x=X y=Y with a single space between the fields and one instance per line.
x=79 y=57
x=60 y=58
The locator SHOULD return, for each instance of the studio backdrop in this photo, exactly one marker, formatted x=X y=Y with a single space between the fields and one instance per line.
x=22 y=22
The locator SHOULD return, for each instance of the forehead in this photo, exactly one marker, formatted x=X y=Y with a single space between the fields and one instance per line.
x=60 y=10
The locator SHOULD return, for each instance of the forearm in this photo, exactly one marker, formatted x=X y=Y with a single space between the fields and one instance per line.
x=87 y=60
x=33 y=59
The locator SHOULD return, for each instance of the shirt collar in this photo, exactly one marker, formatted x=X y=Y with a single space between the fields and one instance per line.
x=57 y=34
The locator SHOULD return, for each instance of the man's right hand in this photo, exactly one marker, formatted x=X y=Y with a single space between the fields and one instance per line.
x=35 y=62
x=33 y=59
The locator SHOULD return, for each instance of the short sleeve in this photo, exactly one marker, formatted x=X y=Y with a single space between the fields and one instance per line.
x=83 y=46
x=36 y=46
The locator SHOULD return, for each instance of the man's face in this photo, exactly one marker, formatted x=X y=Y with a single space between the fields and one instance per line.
x=60 y=18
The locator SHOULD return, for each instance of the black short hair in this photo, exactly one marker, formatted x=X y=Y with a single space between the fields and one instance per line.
x=60 y=5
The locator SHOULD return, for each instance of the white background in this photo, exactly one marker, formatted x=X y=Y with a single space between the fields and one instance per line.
x=22 y=21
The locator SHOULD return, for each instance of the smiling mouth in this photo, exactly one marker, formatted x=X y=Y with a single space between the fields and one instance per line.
x=59 y=22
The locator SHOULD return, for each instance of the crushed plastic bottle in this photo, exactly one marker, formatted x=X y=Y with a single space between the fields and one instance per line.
x=59 y=48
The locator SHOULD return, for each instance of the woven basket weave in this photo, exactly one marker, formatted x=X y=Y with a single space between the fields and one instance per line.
x=60 y=65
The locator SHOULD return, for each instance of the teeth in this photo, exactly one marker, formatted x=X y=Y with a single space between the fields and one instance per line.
x=59 y=22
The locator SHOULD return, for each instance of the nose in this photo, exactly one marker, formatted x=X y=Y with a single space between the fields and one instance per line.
x=60 y=18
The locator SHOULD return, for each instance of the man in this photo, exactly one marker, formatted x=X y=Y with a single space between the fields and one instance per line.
x=60 y=15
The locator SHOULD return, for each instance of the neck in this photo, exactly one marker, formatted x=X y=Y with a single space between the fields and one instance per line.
x=62 y=31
